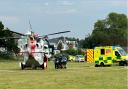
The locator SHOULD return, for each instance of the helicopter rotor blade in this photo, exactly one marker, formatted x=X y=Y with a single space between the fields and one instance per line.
x=57 y=33
x=9 y=38
x=15 y=32
x=46 y=36
x=13 y=37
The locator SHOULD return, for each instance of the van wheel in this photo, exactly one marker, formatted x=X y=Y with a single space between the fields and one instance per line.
x=102 y=64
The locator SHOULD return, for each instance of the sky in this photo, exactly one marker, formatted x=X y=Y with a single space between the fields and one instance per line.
x=50 y=16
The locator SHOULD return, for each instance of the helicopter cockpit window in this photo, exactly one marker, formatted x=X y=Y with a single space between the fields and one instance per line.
x=117 y=54
x=25 y=46
x=31 y=38
x=38 y=39
x=45 y=42
x=37 y=45
x=45 y=47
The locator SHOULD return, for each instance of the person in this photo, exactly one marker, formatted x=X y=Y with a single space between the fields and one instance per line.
x=64 y=61
x=45 y=64
x=60 y=62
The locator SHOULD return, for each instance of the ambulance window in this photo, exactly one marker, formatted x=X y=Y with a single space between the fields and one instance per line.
x=117 y=54
x=102 y=51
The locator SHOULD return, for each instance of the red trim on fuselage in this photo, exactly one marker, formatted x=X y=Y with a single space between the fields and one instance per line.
x=32 y=46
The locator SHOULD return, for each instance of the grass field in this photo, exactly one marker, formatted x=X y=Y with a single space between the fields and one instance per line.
x=76 y=76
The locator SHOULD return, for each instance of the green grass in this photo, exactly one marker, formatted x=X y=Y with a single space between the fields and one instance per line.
x=76 y=76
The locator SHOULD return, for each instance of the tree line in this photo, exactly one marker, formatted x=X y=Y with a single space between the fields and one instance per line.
x=110 y=31
x=9 y=44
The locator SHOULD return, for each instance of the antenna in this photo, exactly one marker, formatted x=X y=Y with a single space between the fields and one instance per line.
x=30 y=25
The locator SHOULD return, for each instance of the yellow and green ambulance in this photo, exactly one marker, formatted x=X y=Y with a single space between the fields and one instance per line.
x=108 y=55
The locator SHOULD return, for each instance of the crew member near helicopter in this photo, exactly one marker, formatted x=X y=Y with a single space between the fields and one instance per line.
x=45 y=61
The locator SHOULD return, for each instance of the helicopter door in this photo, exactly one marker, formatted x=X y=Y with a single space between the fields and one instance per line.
x=38 y=55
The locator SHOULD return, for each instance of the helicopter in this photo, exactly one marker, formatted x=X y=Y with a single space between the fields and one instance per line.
x=35 y=49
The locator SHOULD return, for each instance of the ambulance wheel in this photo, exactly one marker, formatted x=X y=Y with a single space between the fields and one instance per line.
x=96 y=65
x=102 y=64
x=121 y=63
x=126 y=62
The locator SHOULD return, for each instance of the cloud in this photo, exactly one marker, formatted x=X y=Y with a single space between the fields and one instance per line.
x=119 y=3
x=61 y=11
x=104 y=3
x=65 y=3
x=46 y=3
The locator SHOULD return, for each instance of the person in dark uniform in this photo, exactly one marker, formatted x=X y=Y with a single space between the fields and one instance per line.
x=61 y=62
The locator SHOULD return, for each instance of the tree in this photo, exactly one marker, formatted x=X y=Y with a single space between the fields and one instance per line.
x=9 y=44
x=110 y=31
x=1 y=26
x=73 y=52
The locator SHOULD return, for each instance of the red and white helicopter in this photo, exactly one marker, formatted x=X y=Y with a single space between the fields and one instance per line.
x=34 y=49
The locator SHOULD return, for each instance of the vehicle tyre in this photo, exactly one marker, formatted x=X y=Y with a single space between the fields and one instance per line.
x=126 y=62
x=121 y=63
x=102 y=64
x=96 y=65
x=22 y=66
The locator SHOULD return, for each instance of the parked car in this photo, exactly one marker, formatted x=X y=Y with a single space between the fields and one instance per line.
x=79 y=58
x=71 y=58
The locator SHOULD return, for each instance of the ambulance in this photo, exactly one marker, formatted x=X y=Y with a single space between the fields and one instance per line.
x=108 y=55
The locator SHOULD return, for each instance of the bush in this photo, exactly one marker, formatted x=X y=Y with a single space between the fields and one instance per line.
x=73 y=52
